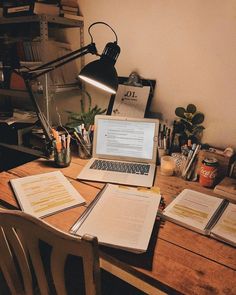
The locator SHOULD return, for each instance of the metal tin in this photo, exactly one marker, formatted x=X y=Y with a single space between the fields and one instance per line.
x=208 y=172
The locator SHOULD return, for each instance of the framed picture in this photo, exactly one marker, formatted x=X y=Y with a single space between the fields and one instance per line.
x=133 y=98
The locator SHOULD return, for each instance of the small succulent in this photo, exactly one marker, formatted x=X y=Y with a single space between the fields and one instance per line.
x=85 y=117
x=189 y=124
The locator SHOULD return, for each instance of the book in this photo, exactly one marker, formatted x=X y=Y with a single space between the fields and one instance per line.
x=71 y=3
x=45 y=194
x=227 y=189
x=43 y=8
x=21 y=116
x=121 y=217
x=63 y=11
x=72 y=16
x=57 y=2
x=70 y=8
x=208 y=215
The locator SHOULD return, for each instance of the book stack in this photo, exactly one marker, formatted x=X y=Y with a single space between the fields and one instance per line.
x=29 y=7
x=70 y=9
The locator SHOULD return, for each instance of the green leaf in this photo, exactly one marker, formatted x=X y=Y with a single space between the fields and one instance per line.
x=85 y=117
x=180 y=112
x=191 y=108
x=198 y=118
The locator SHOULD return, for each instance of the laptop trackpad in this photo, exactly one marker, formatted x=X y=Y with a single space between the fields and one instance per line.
x=114 y=177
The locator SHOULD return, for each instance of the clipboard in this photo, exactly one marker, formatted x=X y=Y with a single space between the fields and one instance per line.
x=133 y=97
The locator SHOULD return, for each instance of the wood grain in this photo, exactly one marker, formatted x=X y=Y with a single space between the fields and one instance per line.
x=184 y=261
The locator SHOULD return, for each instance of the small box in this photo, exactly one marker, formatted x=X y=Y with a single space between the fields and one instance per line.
x=18 y=8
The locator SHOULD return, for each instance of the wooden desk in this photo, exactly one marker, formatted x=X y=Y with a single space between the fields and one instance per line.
x=184 y=261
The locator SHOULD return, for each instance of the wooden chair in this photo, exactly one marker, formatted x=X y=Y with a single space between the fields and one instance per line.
x=22 y=262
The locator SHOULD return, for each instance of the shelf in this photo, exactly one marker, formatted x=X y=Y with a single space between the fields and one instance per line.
x=23 y=149
x=12 y=92
x=42 y=28
x=65 y=88
x=54 y=89
x=42 y=18
x=23 y=63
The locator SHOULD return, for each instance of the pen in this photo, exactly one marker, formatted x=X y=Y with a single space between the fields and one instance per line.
x=58 y=144
x=192 y=157
x=68 y=141
x=63 y=140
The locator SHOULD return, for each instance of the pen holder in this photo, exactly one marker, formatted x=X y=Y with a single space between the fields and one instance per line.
x=180 y=161
x=62 y=158
x=85 y=150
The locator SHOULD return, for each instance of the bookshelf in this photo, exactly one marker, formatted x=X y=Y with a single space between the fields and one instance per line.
x=42 y=38
x=43 y=30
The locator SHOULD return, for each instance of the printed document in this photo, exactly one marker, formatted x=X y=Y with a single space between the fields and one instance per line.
x=131 y=101
x=44 y=194
x=225 y=228
x=121 y=217
x=193 y=208
x=206 y=214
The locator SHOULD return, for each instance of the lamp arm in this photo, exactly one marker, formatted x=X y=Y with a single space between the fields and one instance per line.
x=58 y=62
x=42 y=119
x=30 y=75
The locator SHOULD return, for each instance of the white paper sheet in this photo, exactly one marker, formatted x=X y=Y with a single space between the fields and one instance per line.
x=123 y=217
x=44 y=194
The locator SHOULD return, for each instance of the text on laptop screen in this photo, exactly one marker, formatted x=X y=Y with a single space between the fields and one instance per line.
x=125 y=138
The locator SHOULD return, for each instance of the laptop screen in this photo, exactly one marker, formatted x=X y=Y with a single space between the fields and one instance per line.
x=125 y=138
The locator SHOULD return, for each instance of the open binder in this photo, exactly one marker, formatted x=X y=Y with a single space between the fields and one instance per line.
x=205 y=214
x=121 y=217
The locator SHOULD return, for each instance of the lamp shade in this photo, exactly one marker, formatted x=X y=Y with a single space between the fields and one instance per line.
x=102 y=73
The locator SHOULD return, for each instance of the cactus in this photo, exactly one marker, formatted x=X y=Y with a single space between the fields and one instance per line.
x=189 y=124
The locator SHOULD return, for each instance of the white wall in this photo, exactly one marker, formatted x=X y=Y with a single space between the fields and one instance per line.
x=188 y=46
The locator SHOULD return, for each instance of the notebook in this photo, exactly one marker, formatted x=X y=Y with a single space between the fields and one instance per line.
x=129 y=144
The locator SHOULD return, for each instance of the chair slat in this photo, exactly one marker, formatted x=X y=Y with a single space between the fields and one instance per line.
x=24 y=233
x=58 y=259
x=34 y=251
x=7 y=266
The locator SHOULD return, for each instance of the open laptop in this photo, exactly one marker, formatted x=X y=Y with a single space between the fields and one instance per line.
x=124 y=151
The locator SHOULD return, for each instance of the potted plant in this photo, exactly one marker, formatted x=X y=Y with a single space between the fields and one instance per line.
x=85 y=117
x=188 y=126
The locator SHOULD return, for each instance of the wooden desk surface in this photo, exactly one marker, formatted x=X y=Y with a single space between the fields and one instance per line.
x=184 y=261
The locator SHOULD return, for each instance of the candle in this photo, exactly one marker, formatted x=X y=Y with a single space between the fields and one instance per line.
x=167 y=165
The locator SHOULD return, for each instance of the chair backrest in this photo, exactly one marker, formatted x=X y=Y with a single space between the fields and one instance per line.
x=22 y=241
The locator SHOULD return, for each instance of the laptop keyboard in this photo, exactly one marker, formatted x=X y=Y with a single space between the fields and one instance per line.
x=132 y=168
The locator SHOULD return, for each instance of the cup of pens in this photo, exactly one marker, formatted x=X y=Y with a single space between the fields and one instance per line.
x=62 y=153
x=84 y=139
x=84 y=150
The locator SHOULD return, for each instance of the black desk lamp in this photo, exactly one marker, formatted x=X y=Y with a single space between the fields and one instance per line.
x=100 y=73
